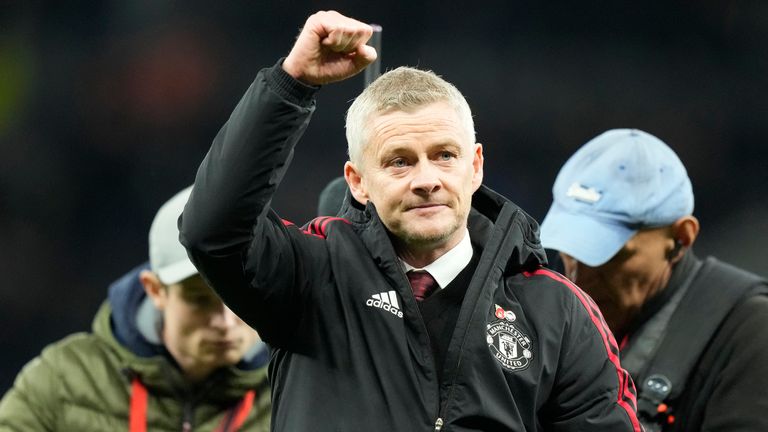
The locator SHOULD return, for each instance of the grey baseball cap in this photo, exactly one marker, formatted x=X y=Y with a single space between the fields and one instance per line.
x=167 y=257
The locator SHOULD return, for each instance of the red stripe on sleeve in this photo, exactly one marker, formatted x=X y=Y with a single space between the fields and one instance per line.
x=626 y=387
x=328 y=220
x=306 y=231
x=317 y=226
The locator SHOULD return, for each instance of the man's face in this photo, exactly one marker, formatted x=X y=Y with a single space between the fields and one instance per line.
x=636 y=273
x=420 y=170
x=199 y=331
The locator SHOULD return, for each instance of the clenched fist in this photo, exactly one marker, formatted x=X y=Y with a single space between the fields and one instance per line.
x=331 y=47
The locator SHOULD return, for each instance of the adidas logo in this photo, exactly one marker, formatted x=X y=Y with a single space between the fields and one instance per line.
x=387 y=301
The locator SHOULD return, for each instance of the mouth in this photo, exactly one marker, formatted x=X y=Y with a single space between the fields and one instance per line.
x=223 y=344
x=425 y=206
x=426 y=210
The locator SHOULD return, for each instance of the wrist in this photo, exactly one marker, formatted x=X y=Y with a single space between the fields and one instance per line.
x=289 y=87
x=290 y=67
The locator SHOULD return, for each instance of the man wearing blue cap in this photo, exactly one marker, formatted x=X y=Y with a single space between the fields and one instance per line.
x=692 y=331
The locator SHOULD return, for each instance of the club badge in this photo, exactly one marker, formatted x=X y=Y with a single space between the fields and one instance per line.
x=510 y=346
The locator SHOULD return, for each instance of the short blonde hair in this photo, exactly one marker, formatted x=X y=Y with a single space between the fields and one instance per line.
x=405 y=89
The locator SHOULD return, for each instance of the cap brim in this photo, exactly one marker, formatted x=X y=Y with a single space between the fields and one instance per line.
x=586 y=239
x=176 y=272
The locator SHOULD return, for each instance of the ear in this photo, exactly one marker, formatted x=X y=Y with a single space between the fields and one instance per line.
x=354 y=178
x=477 y=165
x=154 y=288
x=684 y=233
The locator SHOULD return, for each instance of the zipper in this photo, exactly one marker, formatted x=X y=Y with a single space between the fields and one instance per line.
x=438 y=424
x=443 y=402
x=186 y=423
x=439 y=421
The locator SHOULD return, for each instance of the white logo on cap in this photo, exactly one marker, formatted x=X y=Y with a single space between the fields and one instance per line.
x=583 y=193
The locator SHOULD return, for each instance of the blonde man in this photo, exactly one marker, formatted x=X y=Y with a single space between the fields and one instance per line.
x=424 y=307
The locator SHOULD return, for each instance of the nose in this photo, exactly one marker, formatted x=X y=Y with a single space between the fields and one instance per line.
x=224 y=318
x=426 y=179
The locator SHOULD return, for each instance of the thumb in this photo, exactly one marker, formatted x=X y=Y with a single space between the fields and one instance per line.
x=365 y=55
x=368 y=53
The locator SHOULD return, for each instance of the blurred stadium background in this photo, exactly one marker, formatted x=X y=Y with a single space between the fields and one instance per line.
x=107 y=107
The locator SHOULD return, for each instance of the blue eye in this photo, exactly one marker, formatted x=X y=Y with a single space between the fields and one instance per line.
x=399 y=163
x=446 y=156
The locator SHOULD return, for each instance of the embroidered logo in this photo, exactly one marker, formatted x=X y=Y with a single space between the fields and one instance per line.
x=386 y=300
x=509 y=346
x=584 y=194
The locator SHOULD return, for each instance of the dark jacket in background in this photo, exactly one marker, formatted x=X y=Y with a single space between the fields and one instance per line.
x=727 y=390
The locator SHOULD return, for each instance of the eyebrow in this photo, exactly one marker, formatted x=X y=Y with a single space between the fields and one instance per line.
x=441 y=145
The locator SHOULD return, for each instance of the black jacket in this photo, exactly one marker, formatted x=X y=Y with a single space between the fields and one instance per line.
x=529 y=352
x=726 y=389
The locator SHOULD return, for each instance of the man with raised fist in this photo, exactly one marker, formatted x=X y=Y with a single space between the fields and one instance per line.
x=425 y=306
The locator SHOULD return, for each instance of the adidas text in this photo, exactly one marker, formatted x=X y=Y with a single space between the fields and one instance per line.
x=386 y=301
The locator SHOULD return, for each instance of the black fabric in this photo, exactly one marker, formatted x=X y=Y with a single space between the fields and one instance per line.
x=727 y=390
x=701 y=347
x=555 y=262
x=440 y=311
x=698 y=316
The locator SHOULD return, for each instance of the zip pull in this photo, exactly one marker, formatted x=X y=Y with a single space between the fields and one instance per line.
x=189 y=415
x=438 y=424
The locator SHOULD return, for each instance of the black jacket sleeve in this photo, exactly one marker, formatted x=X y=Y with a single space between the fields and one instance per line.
x=243 y=249
x=735 y=399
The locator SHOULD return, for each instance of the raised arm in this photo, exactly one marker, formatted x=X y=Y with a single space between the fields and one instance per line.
x=254 y=261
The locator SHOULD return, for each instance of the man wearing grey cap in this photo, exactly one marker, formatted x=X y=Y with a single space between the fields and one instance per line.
x=691 y=331
x=165 y=354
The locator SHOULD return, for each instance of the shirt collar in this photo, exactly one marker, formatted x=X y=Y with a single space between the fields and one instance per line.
x=447 y=267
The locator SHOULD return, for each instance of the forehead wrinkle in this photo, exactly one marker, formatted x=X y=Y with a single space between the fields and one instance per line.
x=388 y=134
x=392 y=129
x=396 y=145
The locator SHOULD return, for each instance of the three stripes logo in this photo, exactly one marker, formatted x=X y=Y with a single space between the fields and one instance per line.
x=387 y=301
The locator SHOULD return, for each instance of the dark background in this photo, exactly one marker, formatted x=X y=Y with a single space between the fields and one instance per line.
x=107 y=108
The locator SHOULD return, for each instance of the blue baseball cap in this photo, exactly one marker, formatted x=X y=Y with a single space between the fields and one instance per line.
x=617 y=183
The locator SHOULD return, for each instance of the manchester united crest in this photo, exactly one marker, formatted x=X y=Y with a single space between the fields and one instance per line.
x=510 y=346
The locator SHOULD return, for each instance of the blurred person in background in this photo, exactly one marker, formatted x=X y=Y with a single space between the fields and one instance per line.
x=165 y=354
x=332 y=197
x=692 y=331
x=425 y=306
